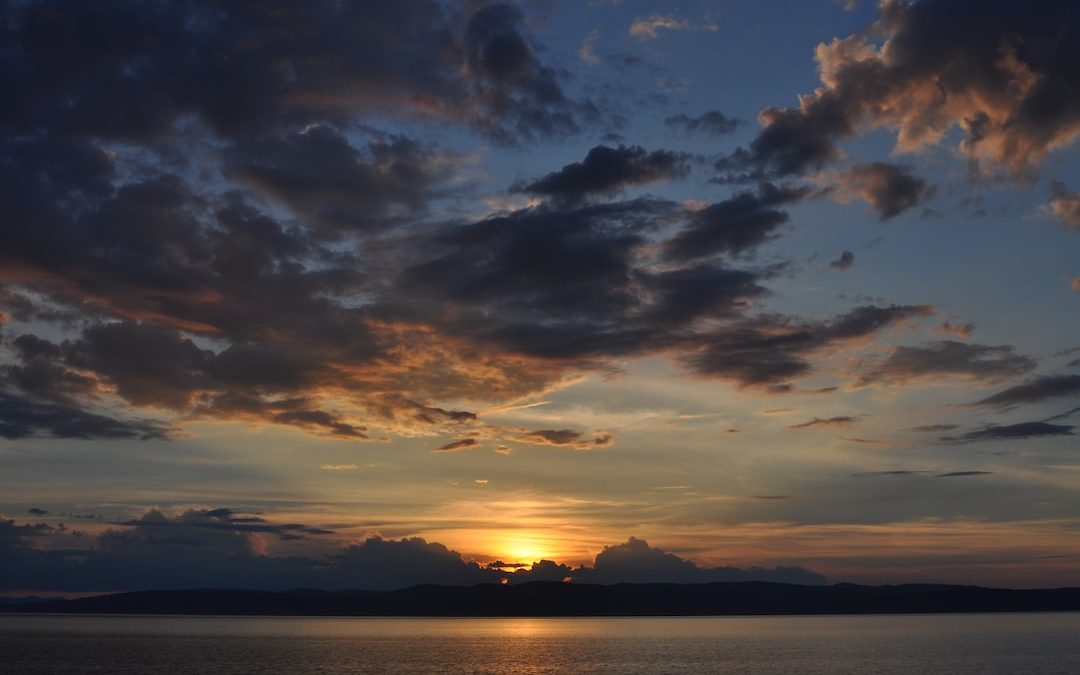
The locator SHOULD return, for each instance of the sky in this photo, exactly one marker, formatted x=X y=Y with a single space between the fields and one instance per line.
x=354 y=294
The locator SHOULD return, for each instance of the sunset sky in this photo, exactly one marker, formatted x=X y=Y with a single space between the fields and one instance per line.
x=287 y=287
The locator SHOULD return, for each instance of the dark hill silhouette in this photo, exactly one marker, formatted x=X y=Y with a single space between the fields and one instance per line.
x=563 y=599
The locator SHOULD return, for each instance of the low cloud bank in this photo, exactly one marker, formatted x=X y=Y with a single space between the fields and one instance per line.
x=224 y=548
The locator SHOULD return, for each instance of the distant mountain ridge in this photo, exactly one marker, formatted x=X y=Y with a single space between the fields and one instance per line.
x=564 y=599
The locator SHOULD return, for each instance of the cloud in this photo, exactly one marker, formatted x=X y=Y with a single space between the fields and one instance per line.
x=222 y=548
x=840 y=421
x=336 y=187
x=1008 y=432
x=637 y=562
x=948 y=357
x=893 y=472
x=22 y=417
x=566 y=438
x=962 y=474
x=37 y=512
x=770 y=352
x=889 y=189
x=457 y=446
x=585 y=51
x=1041 y=388
x=934 y=428
x=316 y=61
x=1006 y=80
x=649 y=27
x=735 y=225
x=572 y=283
x=1065 y=206
x=606 y=171
x=712 y=123
x=222 y=519
x=338 y=467
x=845 y=261
x=213 y=229
x=382 y=564
x=958 y=329
x=1075 y=285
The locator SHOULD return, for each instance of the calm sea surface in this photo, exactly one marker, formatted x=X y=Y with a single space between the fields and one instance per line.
x=987 y=644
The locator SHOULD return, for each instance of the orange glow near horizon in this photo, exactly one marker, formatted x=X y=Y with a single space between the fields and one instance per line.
x=527 y=548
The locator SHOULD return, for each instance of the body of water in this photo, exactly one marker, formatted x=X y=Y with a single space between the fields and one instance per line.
x=954 y=644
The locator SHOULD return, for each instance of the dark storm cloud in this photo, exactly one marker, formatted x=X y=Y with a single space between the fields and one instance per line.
x=606 y=171
x=568 y=283
x=198 y=205
x=845 y=261
x=1041 y=388
x=889 y=189
x=520 y=97
x=221 y=548
x=735 y=225
x=158 y=367
x=679 y=296
x=1002 y=72
x=335 y=187
x=131 y=70
x=771 y=351
x=713 y=123
x=948 y=357
x=559 y=261
x=1007 y=432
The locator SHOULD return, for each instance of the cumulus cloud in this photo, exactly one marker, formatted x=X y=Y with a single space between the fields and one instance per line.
x=636 y=562
x=215 y=230
x=888 y=189
x=1004 y=79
